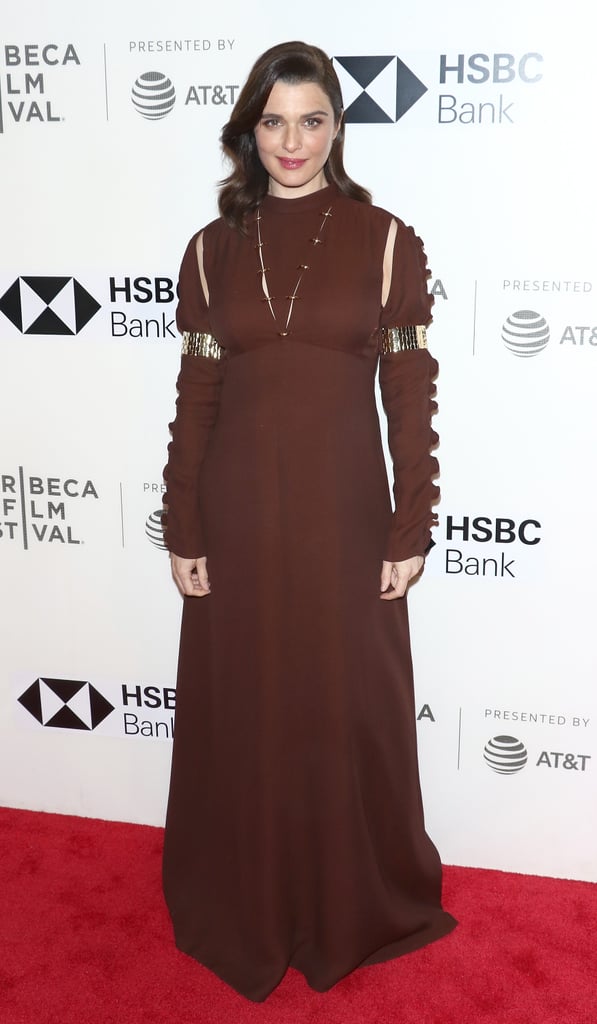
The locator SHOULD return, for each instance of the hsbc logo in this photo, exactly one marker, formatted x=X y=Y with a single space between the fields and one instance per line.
x=377 y=90
x=66 y=704
x=48 y=305
x=128 y=710
x=60 y=306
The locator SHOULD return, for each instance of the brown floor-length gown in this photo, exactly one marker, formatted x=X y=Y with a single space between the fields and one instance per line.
x=295 y=833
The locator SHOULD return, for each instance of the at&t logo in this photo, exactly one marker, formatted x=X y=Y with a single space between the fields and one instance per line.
x=558 y=759
x=153 y=95
x=508 y=755
x=505 y=755
x=525 y=333
x=154 y=529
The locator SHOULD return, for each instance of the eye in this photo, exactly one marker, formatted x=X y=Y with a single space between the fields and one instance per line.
x=312 y=122
x=271 y=122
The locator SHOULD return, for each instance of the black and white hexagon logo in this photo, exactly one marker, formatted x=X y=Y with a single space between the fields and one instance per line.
x=377 y=90
x=66 y=704
x=48 y=305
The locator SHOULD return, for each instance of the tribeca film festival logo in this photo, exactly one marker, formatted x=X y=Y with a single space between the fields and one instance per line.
x=483 y=84
x=377 y=90
x=124 y=710
x=26 y=80
x=507 y=755
x=48 y=305
x=65 y=704
x=35 y=509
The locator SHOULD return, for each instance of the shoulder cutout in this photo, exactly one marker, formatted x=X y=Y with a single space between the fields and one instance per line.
x=203 y=279
x=388 y=261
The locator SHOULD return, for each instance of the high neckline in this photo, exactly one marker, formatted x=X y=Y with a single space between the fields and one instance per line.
x=302 y=204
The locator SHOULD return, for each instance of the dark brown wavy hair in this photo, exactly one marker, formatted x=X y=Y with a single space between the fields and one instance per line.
x=291 y=63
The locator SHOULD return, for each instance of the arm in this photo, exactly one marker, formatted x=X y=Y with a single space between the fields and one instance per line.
x=199 y=385
x=406 y=376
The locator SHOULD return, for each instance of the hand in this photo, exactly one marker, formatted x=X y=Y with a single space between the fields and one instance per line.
x=190 y=575
x=395 y=576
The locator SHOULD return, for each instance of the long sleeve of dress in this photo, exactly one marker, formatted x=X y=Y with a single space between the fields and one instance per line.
x=199 y=385
x=406 y=376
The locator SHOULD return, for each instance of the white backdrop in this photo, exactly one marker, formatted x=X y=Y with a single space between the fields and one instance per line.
x=492 y=164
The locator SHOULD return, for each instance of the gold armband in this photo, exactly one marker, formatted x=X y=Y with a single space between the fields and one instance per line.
x=195 y=343
x=400 y=339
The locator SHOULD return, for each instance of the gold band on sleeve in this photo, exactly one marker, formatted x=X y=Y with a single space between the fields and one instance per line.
x=195 y=343
x=400 y=339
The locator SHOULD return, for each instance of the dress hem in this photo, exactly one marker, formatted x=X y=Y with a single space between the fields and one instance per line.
x=391 y=951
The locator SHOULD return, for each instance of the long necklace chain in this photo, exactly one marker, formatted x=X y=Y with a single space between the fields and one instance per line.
x=302 y=268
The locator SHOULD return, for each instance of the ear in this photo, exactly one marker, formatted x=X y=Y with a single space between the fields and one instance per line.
x=339 y=124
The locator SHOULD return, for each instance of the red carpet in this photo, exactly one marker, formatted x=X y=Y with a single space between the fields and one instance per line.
x=86 y=940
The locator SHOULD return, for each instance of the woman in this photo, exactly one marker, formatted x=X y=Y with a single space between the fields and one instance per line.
x=295 y=832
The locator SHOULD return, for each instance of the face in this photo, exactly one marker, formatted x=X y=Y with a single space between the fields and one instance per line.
x=294 y=137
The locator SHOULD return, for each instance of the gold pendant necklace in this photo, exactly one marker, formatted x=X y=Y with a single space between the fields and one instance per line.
x=302 y=269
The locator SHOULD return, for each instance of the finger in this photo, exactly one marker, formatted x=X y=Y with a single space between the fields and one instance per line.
x=398 y=583
x=397 y=591
x=194 y=587
x=386 y=573
x=199 y=592
x=400 y=579
x=193 y=590
x=183 y=582
x=201 y=579
x=187 y=582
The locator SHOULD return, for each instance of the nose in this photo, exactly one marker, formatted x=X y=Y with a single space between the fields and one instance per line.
x=292 y=140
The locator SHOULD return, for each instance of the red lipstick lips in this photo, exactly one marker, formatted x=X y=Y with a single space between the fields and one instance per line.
x=290 y=165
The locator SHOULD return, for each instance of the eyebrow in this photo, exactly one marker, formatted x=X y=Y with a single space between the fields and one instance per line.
x=312 y=113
